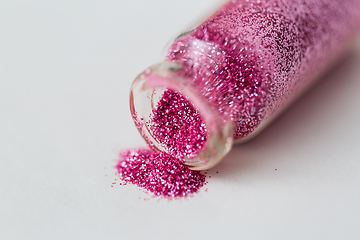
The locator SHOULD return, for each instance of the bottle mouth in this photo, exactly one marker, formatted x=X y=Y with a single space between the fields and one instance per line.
x=147 y=91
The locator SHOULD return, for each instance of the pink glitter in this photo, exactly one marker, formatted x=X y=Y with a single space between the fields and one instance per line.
x=252 y=57
x=178 y=125
x=159 y=173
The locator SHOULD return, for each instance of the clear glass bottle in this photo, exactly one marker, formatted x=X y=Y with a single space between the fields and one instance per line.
x=243 y=65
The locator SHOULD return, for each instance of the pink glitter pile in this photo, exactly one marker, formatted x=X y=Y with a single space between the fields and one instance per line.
x=178 y=126
x=159 y=173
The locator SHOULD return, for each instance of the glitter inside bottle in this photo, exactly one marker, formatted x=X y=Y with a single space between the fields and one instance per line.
x=238 y=69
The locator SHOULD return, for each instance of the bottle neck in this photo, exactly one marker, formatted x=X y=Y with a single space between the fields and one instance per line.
x=146 y=94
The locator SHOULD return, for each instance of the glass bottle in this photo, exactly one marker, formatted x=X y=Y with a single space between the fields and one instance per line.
x=243 y=65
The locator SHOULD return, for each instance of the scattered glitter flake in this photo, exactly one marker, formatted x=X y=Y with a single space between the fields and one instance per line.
x=217 y=172
x=178 y=125
x=159 y=173
x=275 y=169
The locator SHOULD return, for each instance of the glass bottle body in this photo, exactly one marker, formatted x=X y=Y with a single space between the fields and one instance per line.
x=243 y=65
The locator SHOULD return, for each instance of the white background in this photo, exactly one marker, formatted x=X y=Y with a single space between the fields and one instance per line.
x=65 y=73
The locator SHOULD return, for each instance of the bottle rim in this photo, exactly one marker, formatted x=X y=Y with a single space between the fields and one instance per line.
x=160 y=77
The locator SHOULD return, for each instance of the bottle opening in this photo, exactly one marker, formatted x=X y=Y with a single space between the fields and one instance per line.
x=176 y=124
x=173 y=117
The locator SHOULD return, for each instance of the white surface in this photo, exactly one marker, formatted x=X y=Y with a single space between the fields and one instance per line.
x=65 y=73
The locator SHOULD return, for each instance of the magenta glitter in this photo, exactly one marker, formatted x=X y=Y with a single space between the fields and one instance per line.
x=159 y=173
x=252 y=57
x=178 y=125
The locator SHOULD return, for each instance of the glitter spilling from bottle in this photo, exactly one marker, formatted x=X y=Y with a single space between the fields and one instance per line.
x=159 y=173
x=180 y=128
